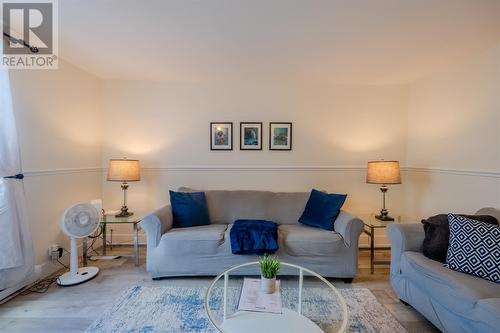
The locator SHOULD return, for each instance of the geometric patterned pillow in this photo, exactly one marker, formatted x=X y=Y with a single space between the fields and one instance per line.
x=474 y=248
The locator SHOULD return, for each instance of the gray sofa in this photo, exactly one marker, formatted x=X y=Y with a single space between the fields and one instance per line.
x=206 y=250
x=454 y=302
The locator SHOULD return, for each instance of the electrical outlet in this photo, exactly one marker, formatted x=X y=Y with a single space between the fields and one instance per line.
x=55 y=252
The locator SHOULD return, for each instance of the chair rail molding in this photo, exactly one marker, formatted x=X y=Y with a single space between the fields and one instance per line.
x=51 y=172
x=254 y=168
x=331 y=168
x=462 y=172
x=458 y=172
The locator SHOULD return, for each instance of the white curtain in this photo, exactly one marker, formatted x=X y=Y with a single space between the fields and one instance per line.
x=16 y=249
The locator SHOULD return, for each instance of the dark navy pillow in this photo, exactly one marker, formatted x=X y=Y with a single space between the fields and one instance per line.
x=189 y=209
x=322 y=209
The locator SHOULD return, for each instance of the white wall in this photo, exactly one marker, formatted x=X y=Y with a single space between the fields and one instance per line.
x=454 y=138
x=445 y=128
x=336 y=130
x=59 y=123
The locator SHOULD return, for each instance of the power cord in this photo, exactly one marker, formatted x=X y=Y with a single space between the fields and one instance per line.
x=99 y=233
x=96 y=236
x=43 y=285
x=62 y=264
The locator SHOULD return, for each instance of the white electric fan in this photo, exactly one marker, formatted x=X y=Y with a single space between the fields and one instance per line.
x=78 y=221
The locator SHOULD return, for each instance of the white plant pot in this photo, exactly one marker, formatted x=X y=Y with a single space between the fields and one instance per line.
x=268 y=286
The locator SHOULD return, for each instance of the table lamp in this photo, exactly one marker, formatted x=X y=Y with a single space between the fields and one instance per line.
x=124 y=170
x=383 y=172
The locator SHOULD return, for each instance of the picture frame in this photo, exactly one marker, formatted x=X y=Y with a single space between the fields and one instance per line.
x=221 y=136
x=280 y=136
x=250 y=135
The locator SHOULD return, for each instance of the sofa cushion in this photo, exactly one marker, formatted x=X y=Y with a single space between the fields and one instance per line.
x=457 y=291
x=437 y=234
x=189 y=209
x=322 y=209
x=301 y=240
x=474 y=248
x=287 y=207
x=205 y=239
x=228 y=206
x=491 y=307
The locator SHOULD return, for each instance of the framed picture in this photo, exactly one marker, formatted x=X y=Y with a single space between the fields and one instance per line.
x=221 y=136
x=250 y=136
x=280 y=136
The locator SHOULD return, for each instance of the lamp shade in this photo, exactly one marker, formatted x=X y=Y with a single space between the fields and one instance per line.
x=383 y=172
x=124 y=170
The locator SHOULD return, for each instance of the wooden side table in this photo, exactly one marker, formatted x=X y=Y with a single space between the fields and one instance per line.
x=371 y=224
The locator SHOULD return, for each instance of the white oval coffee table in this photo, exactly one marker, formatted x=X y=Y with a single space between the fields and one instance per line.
x=289 y=321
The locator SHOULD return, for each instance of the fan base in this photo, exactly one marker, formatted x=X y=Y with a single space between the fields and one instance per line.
x=84 y=274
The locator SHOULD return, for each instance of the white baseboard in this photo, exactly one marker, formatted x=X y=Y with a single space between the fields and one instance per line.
x=48 y=268
x=40 y=272
x=4 y=294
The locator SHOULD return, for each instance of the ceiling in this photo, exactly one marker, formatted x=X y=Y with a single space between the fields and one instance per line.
x=348 y=41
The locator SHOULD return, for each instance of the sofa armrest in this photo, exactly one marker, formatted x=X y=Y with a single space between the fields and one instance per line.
x=404 y=237
x=349 y=227
x=156 y=224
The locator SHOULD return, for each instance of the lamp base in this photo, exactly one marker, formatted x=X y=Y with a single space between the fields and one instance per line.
x=124 y=212
x=384 y=218
x=384 y=215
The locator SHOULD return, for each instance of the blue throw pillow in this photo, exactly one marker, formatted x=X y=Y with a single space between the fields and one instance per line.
x=322 y=209
x=189 y=209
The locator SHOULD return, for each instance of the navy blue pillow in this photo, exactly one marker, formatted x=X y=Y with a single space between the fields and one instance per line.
x=322 y=209
x=189 y=209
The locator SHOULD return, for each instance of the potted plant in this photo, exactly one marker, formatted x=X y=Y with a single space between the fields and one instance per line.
x=269 y=268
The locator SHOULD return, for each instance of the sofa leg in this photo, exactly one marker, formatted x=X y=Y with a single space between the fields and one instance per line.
x=404 y=302
x=347 y=280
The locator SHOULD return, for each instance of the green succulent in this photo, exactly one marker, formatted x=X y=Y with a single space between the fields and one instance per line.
x=269 y=266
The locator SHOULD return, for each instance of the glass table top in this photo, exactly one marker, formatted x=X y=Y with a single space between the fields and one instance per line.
x=371 y=221
x=111 y=218
x=310 y=303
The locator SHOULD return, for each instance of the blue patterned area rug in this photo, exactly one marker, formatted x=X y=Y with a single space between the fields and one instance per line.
x=181 y=309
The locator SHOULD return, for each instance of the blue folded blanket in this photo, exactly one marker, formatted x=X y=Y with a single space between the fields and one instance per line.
x=254 y=237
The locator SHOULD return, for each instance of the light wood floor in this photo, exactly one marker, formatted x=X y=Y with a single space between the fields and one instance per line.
x=73 y=309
